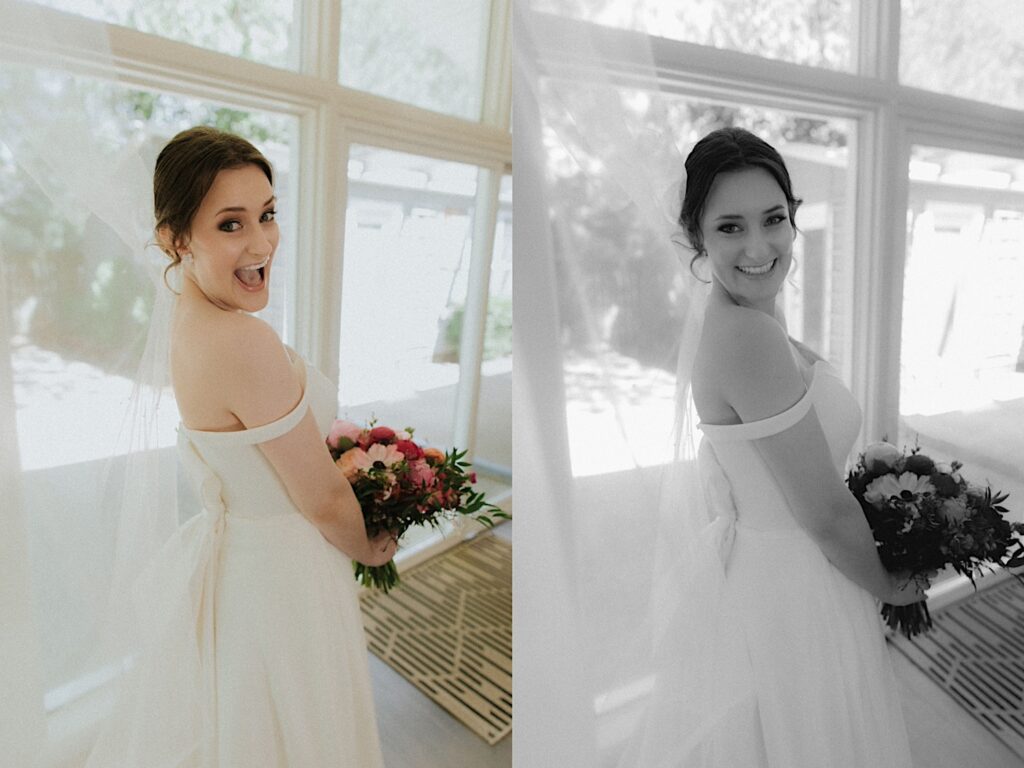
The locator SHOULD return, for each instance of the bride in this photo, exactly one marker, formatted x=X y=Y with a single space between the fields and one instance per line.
x=254 y=623
x=787 y=666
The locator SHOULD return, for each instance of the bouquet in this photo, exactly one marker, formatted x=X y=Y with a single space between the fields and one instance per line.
x=400 y=484
x=925 y=516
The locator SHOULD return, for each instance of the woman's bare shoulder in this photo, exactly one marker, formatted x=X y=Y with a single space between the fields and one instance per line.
x=221 y=361
x=744 y=368
x=736 y=338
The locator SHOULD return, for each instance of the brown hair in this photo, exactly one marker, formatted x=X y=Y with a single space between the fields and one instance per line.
x=185 y=170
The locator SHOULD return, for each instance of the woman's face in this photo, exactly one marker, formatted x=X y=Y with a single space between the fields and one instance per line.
x=748 y=236
x=234 y=236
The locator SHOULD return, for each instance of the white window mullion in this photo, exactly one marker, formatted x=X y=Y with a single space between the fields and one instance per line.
x=321 y=23
x=497 y=97
x=474 y=321
x=878 y=276
x=321 y=223
x=876 y=40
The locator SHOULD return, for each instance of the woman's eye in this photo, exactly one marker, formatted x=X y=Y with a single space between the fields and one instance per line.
x=729 y=229
x=230 y=226
x=268 y=216
x=776 y=219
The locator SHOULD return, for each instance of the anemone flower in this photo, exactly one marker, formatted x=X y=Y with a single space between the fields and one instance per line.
x=908 y=488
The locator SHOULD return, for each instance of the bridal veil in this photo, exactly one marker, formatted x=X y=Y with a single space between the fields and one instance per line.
x=619 y=565
x=54 y=76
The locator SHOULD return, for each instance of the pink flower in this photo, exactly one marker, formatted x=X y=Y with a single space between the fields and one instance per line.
x=882 y=453
x=953 y=511
x=420 y=473
x=346 y=429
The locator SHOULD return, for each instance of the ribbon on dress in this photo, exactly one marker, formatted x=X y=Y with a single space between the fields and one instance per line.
x=720 y=532
x=204 y=592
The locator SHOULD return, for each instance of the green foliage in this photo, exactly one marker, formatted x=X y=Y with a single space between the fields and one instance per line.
x=497 y=335
x=386 y=49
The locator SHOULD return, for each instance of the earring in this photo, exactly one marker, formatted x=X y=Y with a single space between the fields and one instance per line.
x=187 y=258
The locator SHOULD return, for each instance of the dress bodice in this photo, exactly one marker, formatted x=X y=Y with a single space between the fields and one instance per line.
x=757 y=497
x=228 y=469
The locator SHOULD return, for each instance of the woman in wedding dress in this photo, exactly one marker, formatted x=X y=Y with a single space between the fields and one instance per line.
x=258 y=586
x=794 y=672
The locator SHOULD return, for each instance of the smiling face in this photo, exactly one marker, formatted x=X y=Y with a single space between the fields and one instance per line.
x=748 y=236
x=233 y=239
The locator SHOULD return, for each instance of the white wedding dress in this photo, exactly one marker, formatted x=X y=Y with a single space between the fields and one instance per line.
x=254 y=647
x=785 y=666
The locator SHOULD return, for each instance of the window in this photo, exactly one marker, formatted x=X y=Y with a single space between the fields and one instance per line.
x=811 y=32
x=407 y=251
x=259 y=30
x=427 y=53
x=962 y=348
x=968 y=48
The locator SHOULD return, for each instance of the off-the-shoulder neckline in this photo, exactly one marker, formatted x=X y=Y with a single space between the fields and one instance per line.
x=815 y=367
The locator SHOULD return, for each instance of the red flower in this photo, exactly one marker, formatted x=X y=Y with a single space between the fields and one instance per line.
x=382 y=434
x=409 y=449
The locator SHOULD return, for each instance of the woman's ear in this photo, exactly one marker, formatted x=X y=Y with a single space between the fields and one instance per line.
x=163 y=239
x=168 y=244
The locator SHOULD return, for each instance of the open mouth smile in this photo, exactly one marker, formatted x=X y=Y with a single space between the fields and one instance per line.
x=253 y=277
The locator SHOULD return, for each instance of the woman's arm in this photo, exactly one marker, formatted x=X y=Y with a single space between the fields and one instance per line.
x=760 y=379
x=260 y=385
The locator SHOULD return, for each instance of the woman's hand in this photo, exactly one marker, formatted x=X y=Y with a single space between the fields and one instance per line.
x=908 y=589
x=382 y=549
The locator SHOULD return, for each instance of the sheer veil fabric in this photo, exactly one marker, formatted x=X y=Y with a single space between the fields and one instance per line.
x=44 y=125
x=632 y=561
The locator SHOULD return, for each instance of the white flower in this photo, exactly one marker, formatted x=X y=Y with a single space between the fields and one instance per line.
x=886 y=453
x=908 y=488
x=943 y=468
x=385 y=454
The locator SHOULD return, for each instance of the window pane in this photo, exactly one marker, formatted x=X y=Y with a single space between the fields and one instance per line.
x=407 y=246
x=962 y=354
x=969 y=48
x=429 y=53
x=812 y=32
x=260 y=30
x=494 y=416
x=78 y=319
